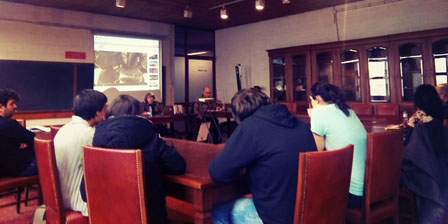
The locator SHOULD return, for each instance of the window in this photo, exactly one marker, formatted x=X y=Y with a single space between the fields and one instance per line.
x=411 y=69
x=440 y=53
x=378 y=74
x=351 y=81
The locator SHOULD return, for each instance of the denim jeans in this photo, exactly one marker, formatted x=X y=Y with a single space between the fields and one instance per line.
x=240 y=211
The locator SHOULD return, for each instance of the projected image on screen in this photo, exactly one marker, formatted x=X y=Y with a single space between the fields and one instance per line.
x=127 y=64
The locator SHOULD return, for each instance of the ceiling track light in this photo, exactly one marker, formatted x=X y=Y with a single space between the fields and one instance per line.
x=120 y=3
x=286 y=1
x=187 y=12
x=223 y=13
x=259 y=5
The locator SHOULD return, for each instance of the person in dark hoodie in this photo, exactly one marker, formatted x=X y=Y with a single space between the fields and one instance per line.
x=266 y=143
x=123 y=129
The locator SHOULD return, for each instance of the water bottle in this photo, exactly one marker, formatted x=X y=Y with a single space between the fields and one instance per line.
x=405 y=116
x=150 y=111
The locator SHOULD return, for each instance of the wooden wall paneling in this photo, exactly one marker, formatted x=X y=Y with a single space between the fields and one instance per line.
x=363 y=67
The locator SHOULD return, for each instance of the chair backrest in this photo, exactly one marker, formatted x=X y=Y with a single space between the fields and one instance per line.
x=22 y=122
x=322 y=186
x=386 y=109
x=54 y=130
x=291 y=106
x=383 y=165
x=362 y=108
x=49 y=180
x=114 y=185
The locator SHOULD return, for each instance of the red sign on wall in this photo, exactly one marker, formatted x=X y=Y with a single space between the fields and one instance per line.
x=75 y=55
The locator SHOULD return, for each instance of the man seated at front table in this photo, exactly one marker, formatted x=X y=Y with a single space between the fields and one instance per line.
x=90 y=109
x=16 y=143
x=201 y=107
x=266 y=143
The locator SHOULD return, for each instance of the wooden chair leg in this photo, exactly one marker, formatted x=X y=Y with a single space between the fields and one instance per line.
x=27 y=189
x=19 y=198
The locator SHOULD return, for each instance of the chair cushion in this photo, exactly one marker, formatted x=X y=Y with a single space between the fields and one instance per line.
x=73 y=217
x=14 y=182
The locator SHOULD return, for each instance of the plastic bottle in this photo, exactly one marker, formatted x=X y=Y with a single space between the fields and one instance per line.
x=405 y=116
x=150 y=111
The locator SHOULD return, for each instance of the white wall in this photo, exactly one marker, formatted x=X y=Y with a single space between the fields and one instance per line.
x=247 y=44
x=44 y=34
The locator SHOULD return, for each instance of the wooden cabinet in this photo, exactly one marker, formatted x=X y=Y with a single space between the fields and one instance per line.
x=384 y=69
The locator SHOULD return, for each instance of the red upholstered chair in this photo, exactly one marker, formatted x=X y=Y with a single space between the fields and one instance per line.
x=362 y=108
x=323 y=185
x=291 y=106
x=49 y=179
x=386 y=109
x=114 y=185
x=18 y=183
x=54 y=130
x=382 y=178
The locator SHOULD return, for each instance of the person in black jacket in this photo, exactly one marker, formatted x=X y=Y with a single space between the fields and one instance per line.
x=123 y=129
x=267 y=144
x=16 y=142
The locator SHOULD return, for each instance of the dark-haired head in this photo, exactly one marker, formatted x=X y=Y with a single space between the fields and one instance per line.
x=88 y=102
x=330 y=94
x=151 y=96
x=427 y=99
x=124 y=105
x=246 y=101
x=8 y=94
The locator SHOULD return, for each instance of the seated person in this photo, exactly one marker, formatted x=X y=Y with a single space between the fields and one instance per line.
x=425 y=157
x=201 y=107
x=17 y=143
x=124 y=129
x=429 y=107
x=151 y=105
x=335 y=125
x=89 y=110
x=154 y=107
x=442 y=90
x=266 y=143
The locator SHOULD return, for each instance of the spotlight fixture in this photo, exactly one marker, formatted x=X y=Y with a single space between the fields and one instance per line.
x=259 y=5
x=224 y=13
x=286 y=1
x=187 y=12
x=120 y=3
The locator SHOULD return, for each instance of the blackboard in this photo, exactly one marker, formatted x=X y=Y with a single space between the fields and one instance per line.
x=45 y=86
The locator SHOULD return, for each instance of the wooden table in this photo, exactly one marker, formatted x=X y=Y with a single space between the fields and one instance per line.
x=371 y=123
x=196 y=186
x=170 y=119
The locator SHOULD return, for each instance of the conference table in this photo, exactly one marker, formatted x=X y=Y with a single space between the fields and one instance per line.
x=196 y=186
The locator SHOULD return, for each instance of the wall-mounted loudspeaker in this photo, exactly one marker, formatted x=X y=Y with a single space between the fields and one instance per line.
x=120 y=3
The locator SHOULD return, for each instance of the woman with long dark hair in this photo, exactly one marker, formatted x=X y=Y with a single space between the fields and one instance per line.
x=335 y=125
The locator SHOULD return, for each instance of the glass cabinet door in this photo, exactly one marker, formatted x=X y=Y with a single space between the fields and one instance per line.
x=324 y=63
x=440 y=54
x=299 y=77
x=411 y=69
x=378 y=68
x=351 y=80
x=279 y=82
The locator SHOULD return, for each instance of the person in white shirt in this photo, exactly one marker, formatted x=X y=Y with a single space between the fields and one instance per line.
x=89 y=110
